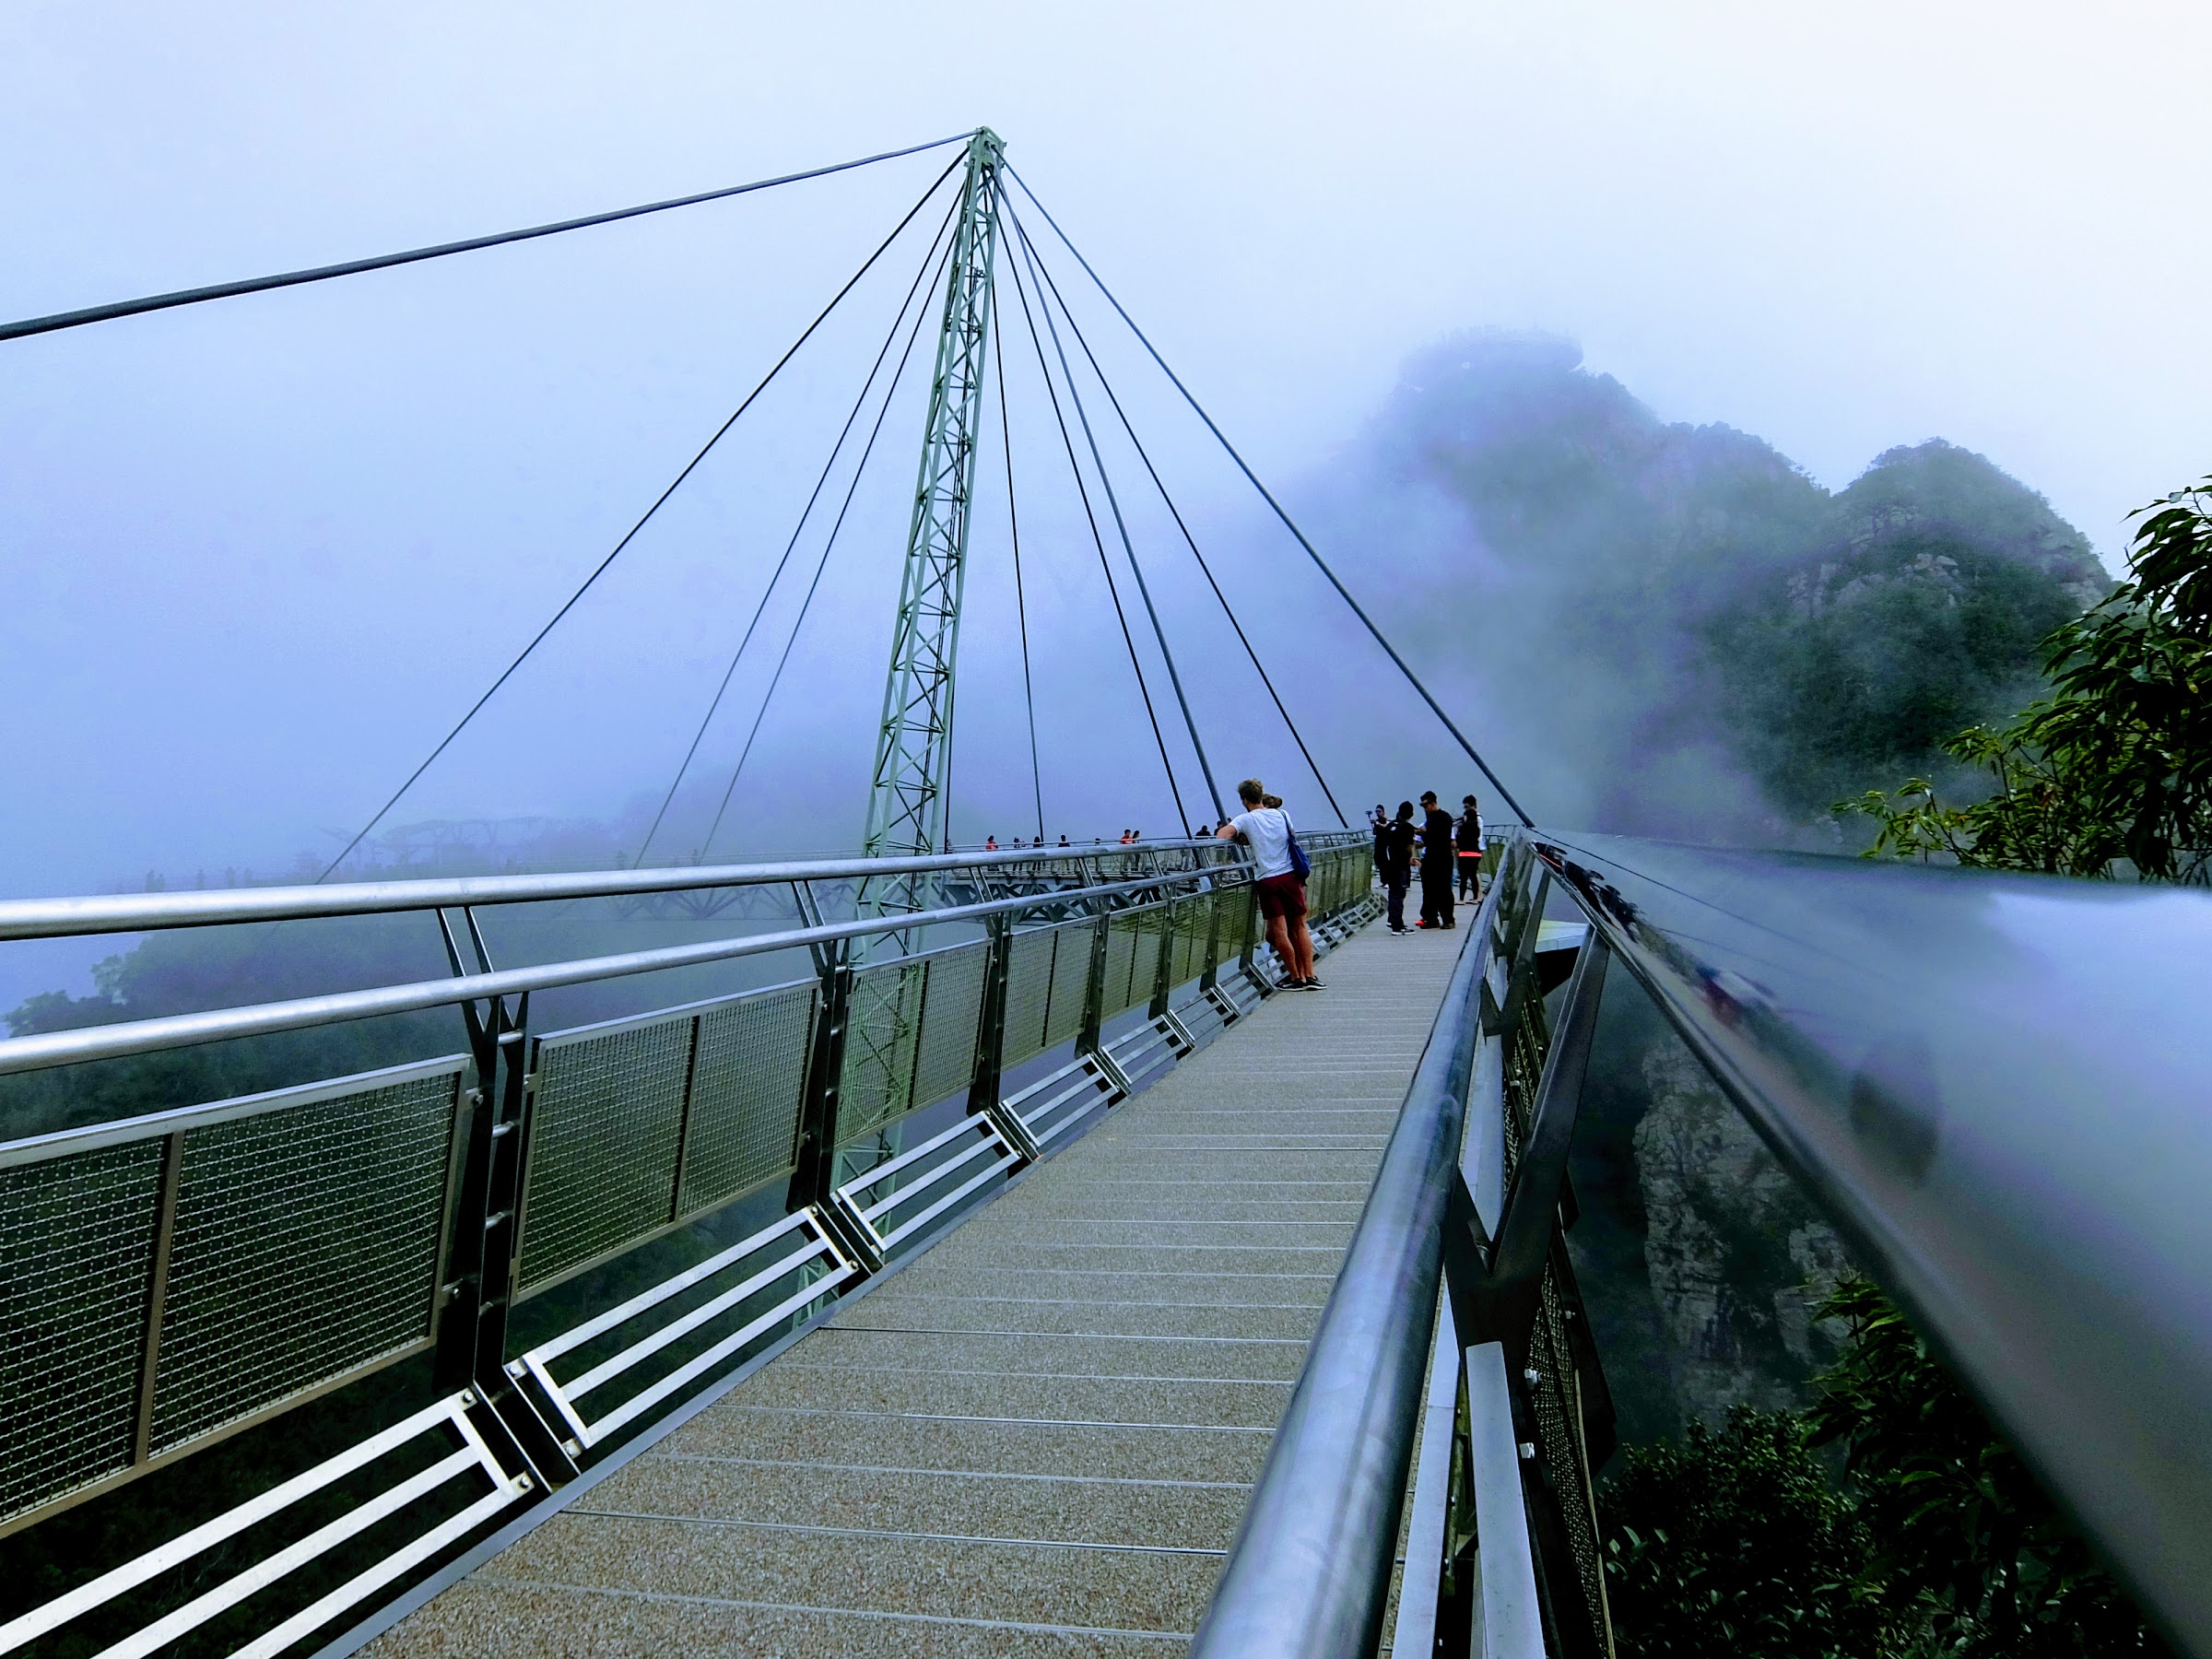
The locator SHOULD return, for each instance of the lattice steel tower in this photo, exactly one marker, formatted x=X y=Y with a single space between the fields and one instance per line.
x=913 y=745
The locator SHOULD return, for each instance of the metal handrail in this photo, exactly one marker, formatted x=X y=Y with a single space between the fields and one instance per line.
x=1309 y=1571
x=141 y=912
x=178 y=1031
x=1996 y=1086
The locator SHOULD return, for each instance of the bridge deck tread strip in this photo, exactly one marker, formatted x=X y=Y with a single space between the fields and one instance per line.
x=933 y=1466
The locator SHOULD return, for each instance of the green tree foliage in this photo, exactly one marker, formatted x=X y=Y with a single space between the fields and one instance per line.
x=1735 y=1542
x=1966 y=1544
x=1935 y=1539
x=2112 y=771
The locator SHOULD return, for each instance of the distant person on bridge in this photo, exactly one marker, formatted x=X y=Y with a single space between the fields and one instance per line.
x=1064 y=839
x=1437 y=858
x=990 y=844
x=1265 y=829
x=1393 y=862
x=1468 y=834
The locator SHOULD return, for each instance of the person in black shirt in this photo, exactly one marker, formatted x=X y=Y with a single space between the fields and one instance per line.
x=1470 y=851
x=1393 y=861
x=1438 y=855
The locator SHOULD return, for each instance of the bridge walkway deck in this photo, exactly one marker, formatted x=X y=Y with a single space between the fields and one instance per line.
x=1040 y=1435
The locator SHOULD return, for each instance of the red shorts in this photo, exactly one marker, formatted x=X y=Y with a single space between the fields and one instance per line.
x=1282 y=898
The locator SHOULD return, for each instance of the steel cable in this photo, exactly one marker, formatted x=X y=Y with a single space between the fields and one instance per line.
x=254 y=285
x=890 y=394
x=1242 y=639
x=1144 y=588
x=1021 y=607
x=929 y=259
x=1129 y=640
x=600 y=570
x=1322 y=564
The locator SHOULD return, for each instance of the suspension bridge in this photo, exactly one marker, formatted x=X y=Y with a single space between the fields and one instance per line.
x=975 y=1254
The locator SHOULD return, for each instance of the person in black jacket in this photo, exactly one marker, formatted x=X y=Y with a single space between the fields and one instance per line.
x=1438 y=855
x=1393 y=862
x=1470 y=851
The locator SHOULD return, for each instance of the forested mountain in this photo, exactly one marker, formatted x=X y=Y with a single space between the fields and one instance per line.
x=1710 y=644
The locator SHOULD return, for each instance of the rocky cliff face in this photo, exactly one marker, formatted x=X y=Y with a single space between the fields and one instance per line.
x=1734 y=1254
x=1698 y=1258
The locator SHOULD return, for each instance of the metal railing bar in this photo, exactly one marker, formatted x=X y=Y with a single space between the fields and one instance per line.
x=884 y=1171
x=143 y=912
x=262 y=1573
x=319 y=1613
x=1512 y=1622
x=181 y=1030
x=29 y=1626
x=688 y=1374
x=1310 y=1571
x=1044 y=1082
x=991 y=1141
x=906 y=1228
x=61 y=1142
x=675 y=1330
x=1430 y=1495
x=555 y=1346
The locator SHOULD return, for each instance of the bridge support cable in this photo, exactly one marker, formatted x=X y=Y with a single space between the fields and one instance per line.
x=1021 y=607
x=1044 y=270
x=600 y=568
x=890 y=394
x=929 y=261
x=1266 y=495
x=1114 y=503
x=1099 y=541
x=352 y=267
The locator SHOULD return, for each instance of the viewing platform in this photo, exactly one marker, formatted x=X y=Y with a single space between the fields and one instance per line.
x=1038 y=1435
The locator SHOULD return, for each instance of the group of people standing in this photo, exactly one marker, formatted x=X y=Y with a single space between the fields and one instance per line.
x=1450 y=850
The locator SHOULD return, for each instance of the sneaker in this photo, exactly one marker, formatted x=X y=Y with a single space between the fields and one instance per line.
x=1302 y=984
x=1312 y=985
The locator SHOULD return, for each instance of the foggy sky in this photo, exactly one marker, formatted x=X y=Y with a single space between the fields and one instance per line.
x=254 y=557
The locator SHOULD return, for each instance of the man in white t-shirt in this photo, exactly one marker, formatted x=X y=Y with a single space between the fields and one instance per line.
x=1282 y=894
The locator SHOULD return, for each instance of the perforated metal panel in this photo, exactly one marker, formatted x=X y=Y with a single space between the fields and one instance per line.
x=1028 y=992
x=1144 y=966
x=306 y=1245
x=746 y=1088
x=1120 y=962
x=1194 y=916
x=1071 y=982
x=76 y=1246
x=877 y=1080
x=952 y=1000
x=605 y=1118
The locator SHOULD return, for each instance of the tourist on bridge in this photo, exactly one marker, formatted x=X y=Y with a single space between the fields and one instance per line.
x=1469 y=837
x=1437 y=857
x=1265 y=829
x=1393 y=862
x=990 y=844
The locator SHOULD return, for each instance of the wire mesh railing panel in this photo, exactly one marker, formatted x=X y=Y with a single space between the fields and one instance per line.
x=76 y=1247
x=877 y=1081
x=306 y=1247
x=1071 y=980
x=1193 y=916
x=1230 y=905
x=747 y=1085
x=952 y=1003
x=1121 y=963
x=1152 y=939
x=1028 y=992
x=605 y=1118
x=1556 y=1395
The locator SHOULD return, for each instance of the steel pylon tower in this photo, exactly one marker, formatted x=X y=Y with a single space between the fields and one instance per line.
x=913 y=743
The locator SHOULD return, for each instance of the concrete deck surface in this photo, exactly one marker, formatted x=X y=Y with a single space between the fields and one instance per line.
x=1040 y=1436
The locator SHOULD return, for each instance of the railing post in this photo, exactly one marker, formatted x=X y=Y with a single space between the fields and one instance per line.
x=1094 y=987
x=814 y=1180
x=991 y=1027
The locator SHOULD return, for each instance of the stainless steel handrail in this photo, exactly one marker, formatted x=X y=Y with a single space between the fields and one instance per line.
x=1310 y=1571
x=141 y=912
x=2000 y=1088
x=179 y=1031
